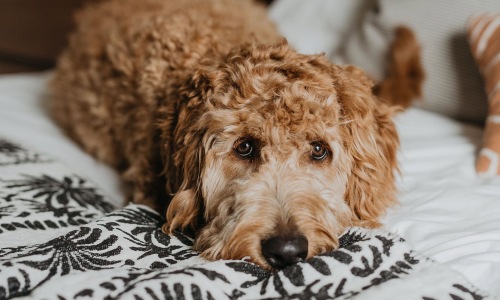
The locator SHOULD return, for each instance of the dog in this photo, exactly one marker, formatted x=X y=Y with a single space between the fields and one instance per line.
x=206 y=111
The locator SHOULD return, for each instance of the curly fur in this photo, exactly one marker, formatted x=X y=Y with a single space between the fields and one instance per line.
x=162 y=90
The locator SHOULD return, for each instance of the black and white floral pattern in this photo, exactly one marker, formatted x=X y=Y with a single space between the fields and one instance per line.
x=61 y=239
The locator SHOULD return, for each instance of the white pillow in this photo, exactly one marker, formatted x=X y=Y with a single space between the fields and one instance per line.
x=453 y=85
x=316 y=26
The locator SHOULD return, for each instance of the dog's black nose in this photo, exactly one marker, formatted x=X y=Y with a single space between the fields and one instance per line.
x=282 y=251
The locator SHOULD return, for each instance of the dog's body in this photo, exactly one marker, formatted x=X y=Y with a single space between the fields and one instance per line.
x=203 y=108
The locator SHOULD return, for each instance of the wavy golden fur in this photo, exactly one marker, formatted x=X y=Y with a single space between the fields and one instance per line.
x=167 y=92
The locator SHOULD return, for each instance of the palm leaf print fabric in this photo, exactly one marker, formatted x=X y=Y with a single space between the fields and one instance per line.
x=61 y=239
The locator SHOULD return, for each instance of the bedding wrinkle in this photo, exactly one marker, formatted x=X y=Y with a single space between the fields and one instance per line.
x=23 y=119
x=447 y=212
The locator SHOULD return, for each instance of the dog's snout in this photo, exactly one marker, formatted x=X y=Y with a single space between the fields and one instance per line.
x=282 y=251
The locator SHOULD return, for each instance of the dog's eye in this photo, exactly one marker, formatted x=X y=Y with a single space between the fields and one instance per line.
x=319 y=151
x=244 y=148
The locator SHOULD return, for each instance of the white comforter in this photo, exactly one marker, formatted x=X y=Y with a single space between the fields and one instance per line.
x=446 y=212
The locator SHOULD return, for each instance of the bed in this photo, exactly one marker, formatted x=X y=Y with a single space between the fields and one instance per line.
x=67 y=233
x=448 y=217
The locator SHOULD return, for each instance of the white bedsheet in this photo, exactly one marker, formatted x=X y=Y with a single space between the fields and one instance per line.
x=24 y=118
x=446 y=211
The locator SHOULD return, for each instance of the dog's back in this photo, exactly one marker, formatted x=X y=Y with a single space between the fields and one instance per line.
x=127 y=59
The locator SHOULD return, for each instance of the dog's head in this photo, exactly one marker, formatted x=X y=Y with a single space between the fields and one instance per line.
x=275 y=154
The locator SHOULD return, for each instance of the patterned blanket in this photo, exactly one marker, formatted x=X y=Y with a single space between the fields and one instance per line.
x=61 y=239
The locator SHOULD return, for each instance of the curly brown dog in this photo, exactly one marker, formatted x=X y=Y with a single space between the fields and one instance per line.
x=261 y=151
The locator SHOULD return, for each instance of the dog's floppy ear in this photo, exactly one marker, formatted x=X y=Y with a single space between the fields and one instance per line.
x=371 y=140
x=182 y=133
x=185 y=210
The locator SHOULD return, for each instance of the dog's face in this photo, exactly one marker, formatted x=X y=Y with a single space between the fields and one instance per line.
x=276 y=153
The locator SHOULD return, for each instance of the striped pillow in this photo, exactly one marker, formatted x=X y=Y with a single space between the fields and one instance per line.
x=484 y=38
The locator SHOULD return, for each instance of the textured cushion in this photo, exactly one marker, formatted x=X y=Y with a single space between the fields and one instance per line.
x=484 y=37
x=453 y=85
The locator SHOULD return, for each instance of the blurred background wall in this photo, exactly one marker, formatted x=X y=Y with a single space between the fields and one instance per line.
x=33 y=32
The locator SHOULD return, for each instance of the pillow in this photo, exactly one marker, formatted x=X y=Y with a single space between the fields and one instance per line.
x=316 y=26
x=453 y=85
x=484 y=36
